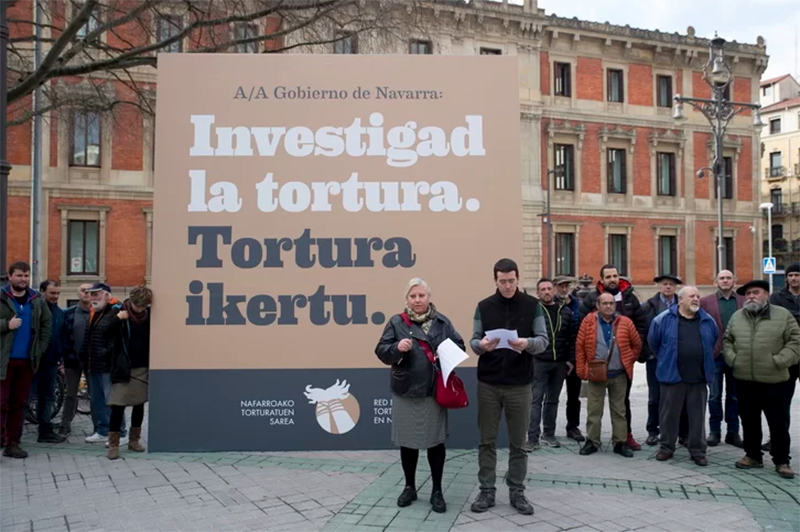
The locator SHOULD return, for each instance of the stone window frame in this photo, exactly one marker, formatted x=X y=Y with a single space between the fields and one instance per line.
x=563 y=101
x=731 y=147
x=660 y=230
x=618 y=228
x=616 y=107
x=667 y=142
x=566 y=133
x=71 y=212
x=570 y=227
x=610 y=138
x=727 y=232
x=663 y=111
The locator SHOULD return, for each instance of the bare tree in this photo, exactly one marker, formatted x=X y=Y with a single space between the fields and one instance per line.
x=90 y=46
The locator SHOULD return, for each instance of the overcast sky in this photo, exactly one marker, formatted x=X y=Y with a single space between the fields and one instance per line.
x=740 y=20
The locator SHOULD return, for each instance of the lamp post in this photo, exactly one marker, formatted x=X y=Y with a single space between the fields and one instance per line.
x=769 y=207
x=5 y=167
x=719 y=111
x=549 y=222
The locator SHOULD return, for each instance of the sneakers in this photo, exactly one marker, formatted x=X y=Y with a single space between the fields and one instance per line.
x=748 y=463
x=520 y=503
x=51 y=437
x=96 y=438
x=713 y=439
x=408 y=496
x=437 y=502
x=15 y=451
x=631 y=443
x=588 y=448
x=735 y=440
x=483 y=501
x=550 y=441
x=575 y=434
x=531 y=445
x=652 y=439
x=784 y=470
x=622 y=449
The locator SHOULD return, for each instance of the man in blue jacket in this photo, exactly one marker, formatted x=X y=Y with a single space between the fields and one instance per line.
x=682 y=340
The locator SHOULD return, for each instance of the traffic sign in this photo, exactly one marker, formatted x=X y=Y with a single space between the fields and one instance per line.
x=769 y=264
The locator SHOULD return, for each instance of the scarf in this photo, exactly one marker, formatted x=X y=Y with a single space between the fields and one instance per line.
x=135 y=317
x=424 y=320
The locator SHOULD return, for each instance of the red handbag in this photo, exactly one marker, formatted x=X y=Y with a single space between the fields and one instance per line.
x=451 y=395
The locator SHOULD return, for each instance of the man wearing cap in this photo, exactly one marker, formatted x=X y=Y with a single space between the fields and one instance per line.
x=761 y=342
x=573 y=382
x=789 y=298
x=664 y=299
x=95 y=354
x=721 y=306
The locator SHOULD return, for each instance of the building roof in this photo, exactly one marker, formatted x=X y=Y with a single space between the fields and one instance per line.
x=775 y=80
x=782 y=105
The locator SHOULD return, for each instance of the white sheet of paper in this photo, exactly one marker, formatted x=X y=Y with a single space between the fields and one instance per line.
x=450 y=356
x=505 y=335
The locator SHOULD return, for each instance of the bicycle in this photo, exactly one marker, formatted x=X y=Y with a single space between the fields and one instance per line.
x=59 y=392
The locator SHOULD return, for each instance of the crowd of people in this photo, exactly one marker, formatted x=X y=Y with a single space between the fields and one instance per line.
x=101 y=338
x=743 y=341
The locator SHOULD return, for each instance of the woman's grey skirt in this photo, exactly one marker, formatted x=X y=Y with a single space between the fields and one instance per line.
x=133 y=392
x=418 y=422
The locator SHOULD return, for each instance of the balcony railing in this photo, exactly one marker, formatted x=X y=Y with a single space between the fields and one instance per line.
x=774 y=172
x=783 y=209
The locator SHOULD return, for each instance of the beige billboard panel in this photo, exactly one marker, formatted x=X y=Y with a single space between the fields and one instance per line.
x=296 y=195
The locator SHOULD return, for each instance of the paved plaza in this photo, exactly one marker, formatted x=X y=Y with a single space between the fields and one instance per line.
x=74 y=487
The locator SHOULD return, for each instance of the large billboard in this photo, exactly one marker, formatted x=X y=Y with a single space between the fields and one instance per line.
x=295 y=196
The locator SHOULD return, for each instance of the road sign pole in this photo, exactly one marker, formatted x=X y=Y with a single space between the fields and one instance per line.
x=769 y=237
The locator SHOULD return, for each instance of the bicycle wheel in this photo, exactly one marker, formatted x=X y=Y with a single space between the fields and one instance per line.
x=58 y=394
x=30 y=410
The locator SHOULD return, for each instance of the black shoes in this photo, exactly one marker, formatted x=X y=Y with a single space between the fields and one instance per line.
x=652 y=439
x=51 y=437
x=588 y=448
x=623 y=450
x=15 y=451
x=483 y=501
x=437 y=502
x=713 y=439
x=683 y=441
x=408 y=496
x=734 y=439
x=520 y=503
x=575 y=434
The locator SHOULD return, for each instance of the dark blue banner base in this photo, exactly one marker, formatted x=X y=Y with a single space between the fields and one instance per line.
x=286 y=410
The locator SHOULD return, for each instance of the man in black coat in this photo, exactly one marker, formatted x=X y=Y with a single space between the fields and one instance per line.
x=629 y=306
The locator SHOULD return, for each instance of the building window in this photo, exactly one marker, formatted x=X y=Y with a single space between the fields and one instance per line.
x=774 y=126
x=244 y=32
x=565 y=254
x=170 y=26
x=775 y=164
x=565 y=167
x=726 y=93
x=727 y=179
x=664 y=87
x=491 y=51
x=84 y=247
x=767 y=90
x=85 y=139
x=421 y=47
x=776 y=198
x=727 y=255
x=347 y=43
x=666 y=174
x=563 y=79
x=617 y=176
x=616 y=85
x=618 y=252
x=92 y=24
x=668 y=255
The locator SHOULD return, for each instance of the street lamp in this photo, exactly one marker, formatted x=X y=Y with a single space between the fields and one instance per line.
x=5 y=167
x=718 y=111
x=769 y=207
x=547 y=215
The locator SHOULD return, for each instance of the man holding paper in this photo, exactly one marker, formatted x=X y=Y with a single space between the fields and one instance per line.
x=505 y=375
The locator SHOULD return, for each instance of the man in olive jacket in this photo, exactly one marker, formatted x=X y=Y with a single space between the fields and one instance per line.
x=761 y=342
x=25 y=332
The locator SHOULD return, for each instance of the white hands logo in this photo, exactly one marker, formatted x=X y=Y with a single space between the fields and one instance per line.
x=337 y=410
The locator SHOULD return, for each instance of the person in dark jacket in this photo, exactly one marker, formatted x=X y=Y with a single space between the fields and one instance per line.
x=505 y=375
x=44 y=382
x=95 y=353
x=789 y=298
x=683 y=339
x=76 y=323
x=130 y=374
x=573 y=382
x=418 y=422
x=550 y=368
x=629 y=306
x=663 y=300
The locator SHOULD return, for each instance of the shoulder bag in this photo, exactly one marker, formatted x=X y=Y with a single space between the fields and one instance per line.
x=598 y=369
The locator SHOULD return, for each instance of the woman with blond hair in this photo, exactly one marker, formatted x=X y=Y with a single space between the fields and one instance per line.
x=130 y=374
x=418 y=422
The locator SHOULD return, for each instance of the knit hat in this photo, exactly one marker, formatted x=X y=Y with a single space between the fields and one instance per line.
x=794 y=268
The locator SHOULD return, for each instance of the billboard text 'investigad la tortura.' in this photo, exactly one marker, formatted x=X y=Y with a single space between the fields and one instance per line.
x=295 y=196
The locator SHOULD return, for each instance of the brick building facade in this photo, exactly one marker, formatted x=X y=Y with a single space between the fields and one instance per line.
x=595 y=102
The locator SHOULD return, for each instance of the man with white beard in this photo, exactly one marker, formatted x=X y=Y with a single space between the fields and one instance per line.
x=95 y=354
x=761 y=342
x=682 y=339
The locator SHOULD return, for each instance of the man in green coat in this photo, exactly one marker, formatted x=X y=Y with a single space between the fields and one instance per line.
x=761 y=342
x=25 y=332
